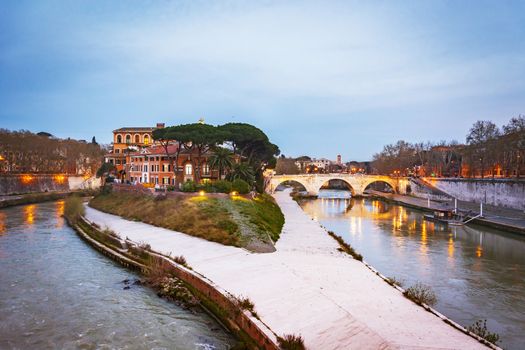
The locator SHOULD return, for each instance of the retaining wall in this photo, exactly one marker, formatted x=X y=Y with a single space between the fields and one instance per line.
x=38 y=183
x=508 y=193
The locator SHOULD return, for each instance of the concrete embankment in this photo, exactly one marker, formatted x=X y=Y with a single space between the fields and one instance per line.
x=307 y=287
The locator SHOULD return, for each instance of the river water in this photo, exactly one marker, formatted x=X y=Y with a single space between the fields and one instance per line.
x=476 y=272
x=56 y=292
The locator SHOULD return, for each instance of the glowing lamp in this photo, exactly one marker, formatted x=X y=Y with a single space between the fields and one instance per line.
x=59 y=178
x=201 y=193
x=234 y=193
x=27 y=179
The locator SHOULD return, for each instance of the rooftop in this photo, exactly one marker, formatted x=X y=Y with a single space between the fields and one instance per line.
x=136 y=129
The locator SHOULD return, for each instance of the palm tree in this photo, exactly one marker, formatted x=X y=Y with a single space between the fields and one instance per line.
x=244 y=172
x=221 y=160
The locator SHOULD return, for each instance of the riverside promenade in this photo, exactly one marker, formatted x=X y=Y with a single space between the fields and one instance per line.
x=306 y=287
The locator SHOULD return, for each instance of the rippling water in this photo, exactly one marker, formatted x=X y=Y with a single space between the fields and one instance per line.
x=57 y=292
x=477 y=273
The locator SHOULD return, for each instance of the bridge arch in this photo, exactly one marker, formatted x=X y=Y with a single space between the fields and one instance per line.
x=379 y=182
x=291 y=182
x=348 y=184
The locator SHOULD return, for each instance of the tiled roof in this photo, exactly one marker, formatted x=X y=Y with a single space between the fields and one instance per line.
x=135 y=129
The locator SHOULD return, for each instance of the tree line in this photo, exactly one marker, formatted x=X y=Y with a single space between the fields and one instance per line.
x=26 y=152
x=236 y=150
x=487 y=151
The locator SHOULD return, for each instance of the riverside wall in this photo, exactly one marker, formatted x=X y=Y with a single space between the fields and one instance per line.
x=11 y=184
x=509 y=193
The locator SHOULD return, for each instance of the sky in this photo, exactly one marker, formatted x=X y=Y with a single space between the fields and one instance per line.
x=321 y=78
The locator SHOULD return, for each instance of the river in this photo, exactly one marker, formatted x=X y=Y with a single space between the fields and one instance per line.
x=476 y=272
x=58 y=292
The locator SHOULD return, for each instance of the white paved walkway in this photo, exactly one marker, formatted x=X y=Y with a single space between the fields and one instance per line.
x=306 y=287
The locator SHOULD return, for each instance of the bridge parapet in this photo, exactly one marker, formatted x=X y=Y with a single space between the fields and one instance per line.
x=357 y=182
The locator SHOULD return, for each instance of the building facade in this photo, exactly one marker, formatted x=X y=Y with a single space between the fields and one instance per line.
x=138 y=159
x=153 y=166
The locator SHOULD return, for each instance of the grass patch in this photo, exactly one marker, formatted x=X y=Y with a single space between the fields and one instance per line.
x=480 y=328
x=421 y=294
x=345 y=247
x=291 y=342
x=263 y=213
x=197 y=216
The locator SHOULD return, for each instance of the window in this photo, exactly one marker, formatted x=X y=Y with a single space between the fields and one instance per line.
x=119 y=138
x=165 y=180
x=205 y=169
x=128 y=139
x=117 y=150
x=165 y=167
x=188 y=169
x=137 y=138
x=146 y=139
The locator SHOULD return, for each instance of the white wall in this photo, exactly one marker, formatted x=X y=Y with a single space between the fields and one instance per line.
x=500 y=192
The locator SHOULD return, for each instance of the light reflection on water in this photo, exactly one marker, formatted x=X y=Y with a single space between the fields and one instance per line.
x=477 y=273
x=56 y=292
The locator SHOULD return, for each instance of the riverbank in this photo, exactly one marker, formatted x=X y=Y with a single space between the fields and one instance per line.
x=307 y=287
x=506 y=219
x=241 y=221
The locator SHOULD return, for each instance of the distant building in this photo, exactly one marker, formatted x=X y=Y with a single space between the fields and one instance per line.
x=127 y=140
x=339 y=160
x=321 y=163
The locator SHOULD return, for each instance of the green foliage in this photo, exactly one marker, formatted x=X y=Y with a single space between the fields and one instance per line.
x=291 y=342
x=189 y=186
x=240 y=186
x=222 y=186
x=421 y=294
x=480 y=328
x=73 y=208
x=221 y=160
x=264 y=213
x=105 y=169
x=242 y=171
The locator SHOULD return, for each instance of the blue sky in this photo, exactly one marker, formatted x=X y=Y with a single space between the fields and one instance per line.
x=319 y=77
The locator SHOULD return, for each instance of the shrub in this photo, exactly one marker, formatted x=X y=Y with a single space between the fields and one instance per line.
x=144 y=246
x=421 y=294
x=223 y=186
x=395 y=282
x=189 y=186
x=480 y=328
x=240 y=186
x=170 y=188
x=245 y=303
x=291 y=342
x=181 y=260
x=73 y=208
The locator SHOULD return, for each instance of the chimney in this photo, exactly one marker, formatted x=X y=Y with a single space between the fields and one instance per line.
x=160 y=125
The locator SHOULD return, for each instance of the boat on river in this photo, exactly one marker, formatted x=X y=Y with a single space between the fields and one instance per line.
x=446 y=216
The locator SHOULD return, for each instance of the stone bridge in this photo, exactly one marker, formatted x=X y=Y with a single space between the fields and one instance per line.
x=357 y=182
